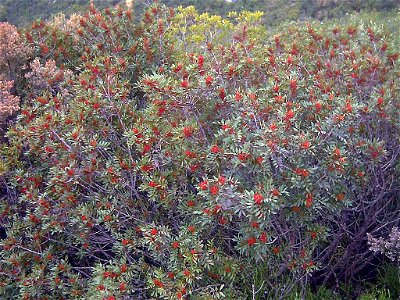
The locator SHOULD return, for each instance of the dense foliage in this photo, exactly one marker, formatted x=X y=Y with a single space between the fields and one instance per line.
x=190 y=156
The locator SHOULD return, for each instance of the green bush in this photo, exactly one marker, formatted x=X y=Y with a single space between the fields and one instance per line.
x=169 y=158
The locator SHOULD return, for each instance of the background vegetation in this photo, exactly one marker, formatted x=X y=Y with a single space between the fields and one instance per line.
x=22 y=13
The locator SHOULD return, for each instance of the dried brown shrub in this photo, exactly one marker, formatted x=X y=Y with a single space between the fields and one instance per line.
x=8 y=102
x=13 y=50
x=47 y=77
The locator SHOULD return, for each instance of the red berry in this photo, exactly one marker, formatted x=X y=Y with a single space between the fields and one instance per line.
x=158 y=283
x=152 y=184
x=188 y=131
x=258 y=198
x=255 y=225
x=305 y=145
x=203 y=185
x=122 y=287
x=243 y=156
x=318 y=107
x=289 y=115
x=190 y=154
x=309 y=200
x=251 y=241
x=214 y=190
x=275 y=192
x=200 y=61
x=184 y=84
x=222 y=93
x=263 y=237
x=215 y=149
x=221 y=180
x=124 y=268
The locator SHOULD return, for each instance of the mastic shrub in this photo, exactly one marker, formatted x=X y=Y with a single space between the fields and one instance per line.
x=184 y=156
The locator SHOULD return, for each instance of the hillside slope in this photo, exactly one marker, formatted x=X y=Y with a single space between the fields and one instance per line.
x=23 y=12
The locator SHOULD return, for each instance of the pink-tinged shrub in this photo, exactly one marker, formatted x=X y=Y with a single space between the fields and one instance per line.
x=13 y=50
x=9 y=103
